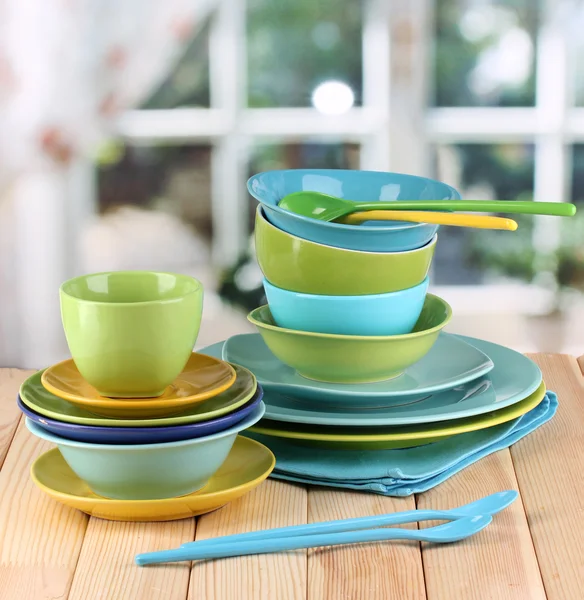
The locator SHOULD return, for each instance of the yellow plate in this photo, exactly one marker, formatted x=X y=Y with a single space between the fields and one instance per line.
x=247 y=465
x=202 y=378
x=396 y=437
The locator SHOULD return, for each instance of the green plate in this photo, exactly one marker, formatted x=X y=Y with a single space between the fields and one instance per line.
x=35 y=396
x=386 y=438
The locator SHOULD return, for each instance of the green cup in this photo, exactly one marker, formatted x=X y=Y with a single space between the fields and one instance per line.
x=131 y=333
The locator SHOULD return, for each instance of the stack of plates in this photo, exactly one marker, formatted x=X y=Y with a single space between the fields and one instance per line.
x=461 y=385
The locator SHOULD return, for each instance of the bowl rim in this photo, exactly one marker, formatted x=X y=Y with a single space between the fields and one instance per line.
x=370 y=338
x=198 y=288
x=260 y=214
x=341 y=226
x=38 y=431
x=342 y=299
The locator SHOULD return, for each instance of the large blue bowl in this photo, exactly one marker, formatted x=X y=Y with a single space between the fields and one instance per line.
x=91 y=434
x=270 y=187
x=394 y=313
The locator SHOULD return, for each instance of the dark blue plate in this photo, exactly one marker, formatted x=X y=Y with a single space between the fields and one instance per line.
x=142 y=435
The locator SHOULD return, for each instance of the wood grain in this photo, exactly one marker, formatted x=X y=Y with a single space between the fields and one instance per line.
x=10 y=381
x=549 y=465
x=370 y=571
x=41 y=539
x=498 y=562
x=267 y=577
x=106 y=568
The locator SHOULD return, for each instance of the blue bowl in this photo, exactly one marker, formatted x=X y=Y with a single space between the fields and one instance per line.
x=394 y=313
x=91 y=434
x=270 y=187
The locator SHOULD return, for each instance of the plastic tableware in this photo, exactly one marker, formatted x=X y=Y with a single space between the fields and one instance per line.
x=394 y=313
x=329 y=208
x=451 y=362
x=249 y=463
x=513 y=378
x=448 y=532
x=387 y=438
x=272 y=186
x=300 y=265
x=353 y=358
x=148 y=471
x=437 y=218
x=131 y=332
x=36 y=397
x=142 y=435
x=202 y=378
x=488 y=505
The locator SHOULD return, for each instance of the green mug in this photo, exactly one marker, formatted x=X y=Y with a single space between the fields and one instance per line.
x=131 y=333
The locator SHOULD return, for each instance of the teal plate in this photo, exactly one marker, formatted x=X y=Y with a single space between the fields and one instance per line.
x=514 y=378
x=450 y=363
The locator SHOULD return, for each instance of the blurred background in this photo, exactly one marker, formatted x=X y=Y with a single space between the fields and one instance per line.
x=129 y=129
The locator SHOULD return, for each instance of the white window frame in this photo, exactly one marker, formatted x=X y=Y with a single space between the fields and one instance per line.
x=394 y=126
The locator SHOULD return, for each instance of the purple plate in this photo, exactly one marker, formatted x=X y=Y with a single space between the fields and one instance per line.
x=141 y=435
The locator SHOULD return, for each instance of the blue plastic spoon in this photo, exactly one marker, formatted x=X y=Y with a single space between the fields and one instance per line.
x=448 y=532
x=489 y=505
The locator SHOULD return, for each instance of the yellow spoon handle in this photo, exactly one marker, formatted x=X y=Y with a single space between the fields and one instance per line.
x=436 y=218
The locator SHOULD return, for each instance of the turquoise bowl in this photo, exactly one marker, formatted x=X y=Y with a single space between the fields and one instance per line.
x=148 y=471
x=394 y=313
x=270 y=187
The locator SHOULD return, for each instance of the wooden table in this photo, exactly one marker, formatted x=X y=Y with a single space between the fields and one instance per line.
x=534 y=549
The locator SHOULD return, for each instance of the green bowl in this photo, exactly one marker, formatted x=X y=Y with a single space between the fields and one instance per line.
x=299 y=265
x=353 y=358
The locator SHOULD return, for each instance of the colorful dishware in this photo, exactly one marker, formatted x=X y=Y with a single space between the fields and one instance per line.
x=131 y=333
x=248 y=464
x=142 y=435
x=513 y=378
x=36 y=397
x=271 y=187
x=387 y=438
x=148 y=471
x=393 y=313
x=202 y=378
x=329 y=208
x=451 y=362
x=353 y=358
x=300 y=265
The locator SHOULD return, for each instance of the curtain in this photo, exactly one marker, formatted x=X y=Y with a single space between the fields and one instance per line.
x=67 y=69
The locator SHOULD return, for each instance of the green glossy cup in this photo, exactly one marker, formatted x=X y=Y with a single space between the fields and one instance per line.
x=131 y=333
x=299 y=265
x=353 y=358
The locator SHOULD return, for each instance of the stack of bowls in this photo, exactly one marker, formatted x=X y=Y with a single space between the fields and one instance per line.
x=351 y=351
x=346 y=304
x=136 y=414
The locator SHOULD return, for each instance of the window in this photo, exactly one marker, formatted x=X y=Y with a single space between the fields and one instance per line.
x=484 y=94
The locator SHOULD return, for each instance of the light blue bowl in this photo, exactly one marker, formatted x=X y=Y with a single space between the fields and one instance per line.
x=148 y=471
x=394 y=313
x=270 y=187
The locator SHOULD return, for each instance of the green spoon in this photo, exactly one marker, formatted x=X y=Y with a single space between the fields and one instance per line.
x=329 y=208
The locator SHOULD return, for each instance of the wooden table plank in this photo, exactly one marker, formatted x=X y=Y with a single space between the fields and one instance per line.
x=10 y=381
x=369 y=571
x=549 y=465
x=498 y=562
x=267 y=577
x=106 y=567
x=40 y=538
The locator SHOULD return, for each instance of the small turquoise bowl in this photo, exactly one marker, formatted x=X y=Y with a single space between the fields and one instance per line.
x=394 y=313
x=270 y=187
x=148 y=471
